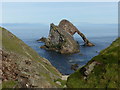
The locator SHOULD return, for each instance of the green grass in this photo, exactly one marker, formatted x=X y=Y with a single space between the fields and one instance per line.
x=104 y=75
x=11 y=43
x=8 y=84
x=63 y=82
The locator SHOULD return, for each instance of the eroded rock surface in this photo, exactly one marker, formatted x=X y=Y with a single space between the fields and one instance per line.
x=61 y=39
x=71 y=29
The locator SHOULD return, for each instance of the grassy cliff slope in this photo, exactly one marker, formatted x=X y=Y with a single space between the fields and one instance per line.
x=100 y=72
x=23 y=67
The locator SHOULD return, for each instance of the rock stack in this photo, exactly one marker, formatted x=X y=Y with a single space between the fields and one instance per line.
x=61 y=39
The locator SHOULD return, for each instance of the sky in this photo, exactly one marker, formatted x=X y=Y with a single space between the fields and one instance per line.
x=47 y=12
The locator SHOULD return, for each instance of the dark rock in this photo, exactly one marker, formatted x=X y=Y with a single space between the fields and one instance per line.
x=74 y=67
x=81 y=54
x=43 y=39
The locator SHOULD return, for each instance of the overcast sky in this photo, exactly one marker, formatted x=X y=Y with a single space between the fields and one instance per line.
x=47 y=12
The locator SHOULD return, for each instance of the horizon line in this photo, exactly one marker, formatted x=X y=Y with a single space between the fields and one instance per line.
x=51 y=22
x=59 y=1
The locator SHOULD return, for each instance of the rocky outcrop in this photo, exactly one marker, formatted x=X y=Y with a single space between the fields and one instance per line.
x=71 y=29
x=87 y=70
x=22 y=67
x=74 y=67
x=61 y=39
x=100 y=72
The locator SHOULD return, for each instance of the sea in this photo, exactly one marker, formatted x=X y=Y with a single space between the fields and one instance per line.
x=102 y=35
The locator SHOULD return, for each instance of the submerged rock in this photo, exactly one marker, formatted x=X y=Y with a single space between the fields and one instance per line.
x=43 y=39
x=61 y=39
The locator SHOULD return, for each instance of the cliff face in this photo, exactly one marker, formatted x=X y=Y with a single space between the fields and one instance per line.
x=100 y=72
x=22 y=67
x=61 y=39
